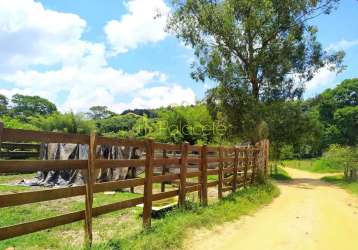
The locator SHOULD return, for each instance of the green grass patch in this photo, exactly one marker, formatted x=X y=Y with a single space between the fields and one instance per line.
x=170 y=232
x=280 y=175
x=340 y=181
x=319 y=165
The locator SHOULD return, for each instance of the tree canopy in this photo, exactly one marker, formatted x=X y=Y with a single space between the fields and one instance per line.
x=257 y=51
x=26 y=106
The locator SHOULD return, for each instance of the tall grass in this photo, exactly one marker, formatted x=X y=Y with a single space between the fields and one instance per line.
x=320 y=165
x=339 y=180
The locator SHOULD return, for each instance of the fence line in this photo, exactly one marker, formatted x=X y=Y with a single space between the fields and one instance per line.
x=237 y=167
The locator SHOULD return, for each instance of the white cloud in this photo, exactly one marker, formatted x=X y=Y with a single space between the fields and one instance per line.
x=160 y=96
x=324 y=78
x=342 y=45
x=31 y=35
x=140 y=25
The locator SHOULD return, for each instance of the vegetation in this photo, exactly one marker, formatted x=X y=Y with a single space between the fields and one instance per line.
x=342 y=182
x=127 y=232
x=169 y=233
x=318 y=165
x=280 y=175
x=258 y=52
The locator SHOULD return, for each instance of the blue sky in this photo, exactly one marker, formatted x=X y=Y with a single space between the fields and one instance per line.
x=80 y=53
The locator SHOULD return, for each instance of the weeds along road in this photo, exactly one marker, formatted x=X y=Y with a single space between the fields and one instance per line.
x=309 y=215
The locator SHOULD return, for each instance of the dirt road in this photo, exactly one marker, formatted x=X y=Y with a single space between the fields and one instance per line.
x=309 y=215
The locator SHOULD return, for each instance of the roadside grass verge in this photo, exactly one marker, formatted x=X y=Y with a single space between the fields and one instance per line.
x=340 y=181
x=170 y=232
x=281 y=175
x=319 y=165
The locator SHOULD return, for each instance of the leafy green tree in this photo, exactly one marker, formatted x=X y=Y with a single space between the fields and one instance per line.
x=100 y=112
x=257 y=51
x=337 y=113
x=117 y=123
x=10 y=122
x=26 y=106
x=67 y=122
x=289 y=125
x=4 y=102
x=346 y=120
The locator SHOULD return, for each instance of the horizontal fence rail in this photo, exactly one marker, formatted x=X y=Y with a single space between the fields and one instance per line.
x=234 y=167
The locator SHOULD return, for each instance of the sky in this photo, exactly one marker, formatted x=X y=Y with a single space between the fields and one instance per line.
x=81 y=53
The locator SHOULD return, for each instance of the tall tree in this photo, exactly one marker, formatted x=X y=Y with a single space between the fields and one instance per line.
x=100 y=112
x=3 y=104
x=26 y=106
x=258 y=51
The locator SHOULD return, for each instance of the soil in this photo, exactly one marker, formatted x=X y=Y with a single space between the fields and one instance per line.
x=309 y=215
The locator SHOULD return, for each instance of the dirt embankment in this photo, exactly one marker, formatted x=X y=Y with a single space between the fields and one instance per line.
x=309 y=215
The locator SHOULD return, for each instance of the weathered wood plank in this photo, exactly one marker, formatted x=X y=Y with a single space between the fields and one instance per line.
x=115 y=185
x=120 y=163
x=120 y=142
x=29 y=166
x=116 y=206
x=34 y=226
x=8 y=200
x=20 y=135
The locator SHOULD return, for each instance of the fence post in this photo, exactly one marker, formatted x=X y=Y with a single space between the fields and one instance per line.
x=89 y=188
x=204 y=175
x=266 y=156
x=164 y=170
x=246 y=162
x=183 y=171
x=1 y=131
x=236 y=163
x=220 y=173
x=148 y=183
x=254 y=166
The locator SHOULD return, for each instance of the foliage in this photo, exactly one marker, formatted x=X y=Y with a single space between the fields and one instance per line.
x=257 y=51
x=10 y=122
x=337 y=109
x=280 y=175
x=99 y=112
x=347 y=157
x=192 y=124
x=320 y=165
x=4 y=102
x=67 y=122
x=342 y=182
x=117 y=123
x=27 y=106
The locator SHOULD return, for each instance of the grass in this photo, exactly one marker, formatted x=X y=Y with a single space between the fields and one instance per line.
x=319 y=165
x=340 y=181
x=281 y=175
x=168 y=233
x=123 y=229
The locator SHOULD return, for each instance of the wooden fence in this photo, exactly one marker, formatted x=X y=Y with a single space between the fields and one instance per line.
x=235 y=167
x=19 y=150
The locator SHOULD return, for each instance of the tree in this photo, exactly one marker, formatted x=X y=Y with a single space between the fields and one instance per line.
x=346 y=120
x=290 y=125
x=100 y=112
x=3 y=104
x=337 y=109
x=67 y=122
x=26 y=106
x=257 y=51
